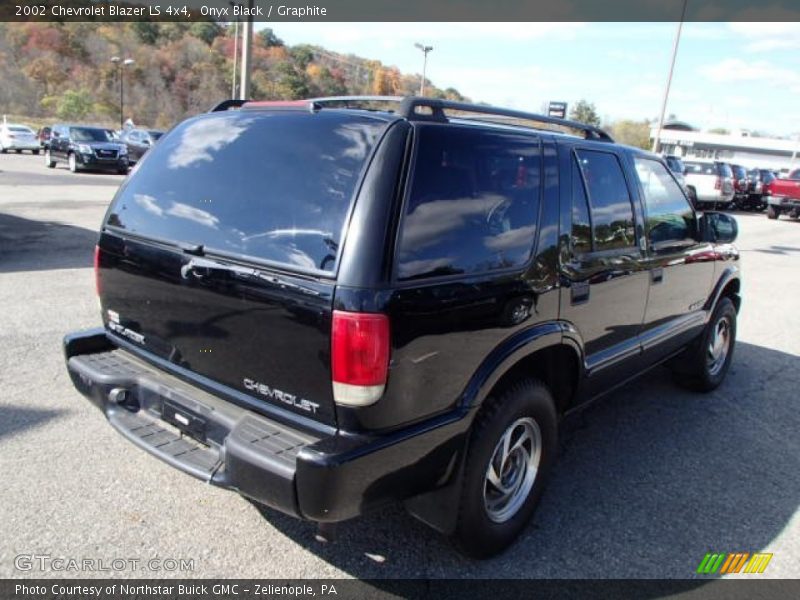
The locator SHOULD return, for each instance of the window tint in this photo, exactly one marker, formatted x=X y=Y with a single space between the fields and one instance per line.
x=794 y=174
x=724 y=170
x=612 y=213
x=274 y=186
x=581 y=225
x=473 y=203
x=669 y=216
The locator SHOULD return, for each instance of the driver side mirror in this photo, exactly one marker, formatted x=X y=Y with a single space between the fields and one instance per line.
x=718 y=227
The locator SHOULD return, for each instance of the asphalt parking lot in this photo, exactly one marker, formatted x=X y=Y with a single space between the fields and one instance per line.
x=648 y=480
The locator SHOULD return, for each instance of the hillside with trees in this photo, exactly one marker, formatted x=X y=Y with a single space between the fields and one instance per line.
x=64 y=71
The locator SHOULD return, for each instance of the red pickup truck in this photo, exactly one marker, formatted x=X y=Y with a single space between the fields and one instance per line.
x=783 y=196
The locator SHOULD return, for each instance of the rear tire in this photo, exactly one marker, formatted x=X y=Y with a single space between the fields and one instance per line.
x=513 y=444
x=705 y=363
x=772 y=212
x=35 y=152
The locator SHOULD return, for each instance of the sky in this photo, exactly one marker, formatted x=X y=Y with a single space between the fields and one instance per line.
x=731 y=75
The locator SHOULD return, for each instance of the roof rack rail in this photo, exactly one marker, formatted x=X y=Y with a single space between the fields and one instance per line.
x=227 y=105
x=409 y=105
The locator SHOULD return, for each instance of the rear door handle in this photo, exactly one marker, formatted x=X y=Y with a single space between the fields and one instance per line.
x=579 y=291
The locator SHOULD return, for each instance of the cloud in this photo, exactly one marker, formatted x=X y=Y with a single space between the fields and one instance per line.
x=201 y=138
x=737 y=70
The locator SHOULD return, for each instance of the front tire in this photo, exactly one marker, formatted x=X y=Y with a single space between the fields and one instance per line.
x=73 y=163
x=706 y=362
x=48 y=160
x=35 y=152
x=772 y=212
x=512 y=447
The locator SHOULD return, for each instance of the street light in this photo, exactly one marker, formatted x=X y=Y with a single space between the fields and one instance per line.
x=425 y=50
x=119 y=63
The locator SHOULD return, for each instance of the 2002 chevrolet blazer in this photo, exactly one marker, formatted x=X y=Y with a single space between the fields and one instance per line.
x=328 y=307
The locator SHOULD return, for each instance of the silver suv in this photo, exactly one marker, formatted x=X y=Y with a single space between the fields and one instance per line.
x=710 y=182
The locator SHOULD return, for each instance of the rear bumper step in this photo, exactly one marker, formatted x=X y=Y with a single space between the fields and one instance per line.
x=325 y=479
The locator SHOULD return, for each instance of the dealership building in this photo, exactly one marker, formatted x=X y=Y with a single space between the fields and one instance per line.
x=738 y=147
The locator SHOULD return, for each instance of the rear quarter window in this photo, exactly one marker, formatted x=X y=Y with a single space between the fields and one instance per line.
x=272 y=186
x=473 y=204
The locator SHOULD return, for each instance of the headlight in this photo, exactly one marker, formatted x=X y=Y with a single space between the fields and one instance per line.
x=84 y=149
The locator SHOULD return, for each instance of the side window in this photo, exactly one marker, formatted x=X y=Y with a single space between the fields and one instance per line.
x=581 y=225
x=473 y=203
x=612 y=212
x=669 y=216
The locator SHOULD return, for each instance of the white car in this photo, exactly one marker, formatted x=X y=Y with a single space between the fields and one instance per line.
x=18 y=138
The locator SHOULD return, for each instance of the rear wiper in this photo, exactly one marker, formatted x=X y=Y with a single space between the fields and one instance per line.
x=202 y=267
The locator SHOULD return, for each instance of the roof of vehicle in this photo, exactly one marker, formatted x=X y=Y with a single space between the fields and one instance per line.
x=415 y=108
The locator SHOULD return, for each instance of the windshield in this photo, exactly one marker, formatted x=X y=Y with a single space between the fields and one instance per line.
x=275 y=186
x=87 y=134
x=154 y=135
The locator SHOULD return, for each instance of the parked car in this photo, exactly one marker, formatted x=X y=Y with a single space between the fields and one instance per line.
x=711 y=181
x=85 y=147
x=741 y=185
x=18 y=138
x=678 y=169
x=783 y=196
x=757 y=179
x=43 y=135
x=408 y=324
x=140 y=141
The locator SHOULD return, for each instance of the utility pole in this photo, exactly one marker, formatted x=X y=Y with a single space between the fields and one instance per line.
x=669 y=77
x=425 y=50
x=247 y=47
x=235 y=54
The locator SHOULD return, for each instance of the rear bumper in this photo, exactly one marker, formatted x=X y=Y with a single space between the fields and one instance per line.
x=783 y=202
x=324 y=478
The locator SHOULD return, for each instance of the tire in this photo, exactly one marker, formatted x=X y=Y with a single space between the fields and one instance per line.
x=772 y=212
x=35 y=152
x=73 y=162
x=18 y=151
x=488 y=520
x=122 y=171
x=48 y=160
x=706 y=362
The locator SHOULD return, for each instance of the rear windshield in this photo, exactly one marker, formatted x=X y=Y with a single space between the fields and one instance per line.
x=725 y=170
x=696 y=168
x=87 y=134
x=738 y=172
x=272 y=186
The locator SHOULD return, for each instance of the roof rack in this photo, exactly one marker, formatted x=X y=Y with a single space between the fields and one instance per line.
x=432 y=109
x=227 y=105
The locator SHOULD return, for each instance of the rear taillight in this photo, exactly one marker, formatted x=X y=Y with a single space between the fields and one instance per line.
x=97 y=270
x=359 y=357
x=718 y=183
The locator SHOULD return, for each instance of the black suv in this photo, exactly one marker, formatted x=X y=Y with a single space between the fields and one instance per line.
x=85 y=147
x=328 y=305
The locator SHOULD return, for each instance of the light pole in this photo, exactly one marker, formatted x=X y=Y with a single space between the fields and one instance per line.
x=235 y=53
x=669 y=77
x=425 y=50
x=120 y=64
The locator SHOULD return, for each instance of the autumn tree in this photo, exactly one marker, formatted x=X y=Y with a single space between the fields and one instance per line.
x=585 y=112
x=632 y=133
